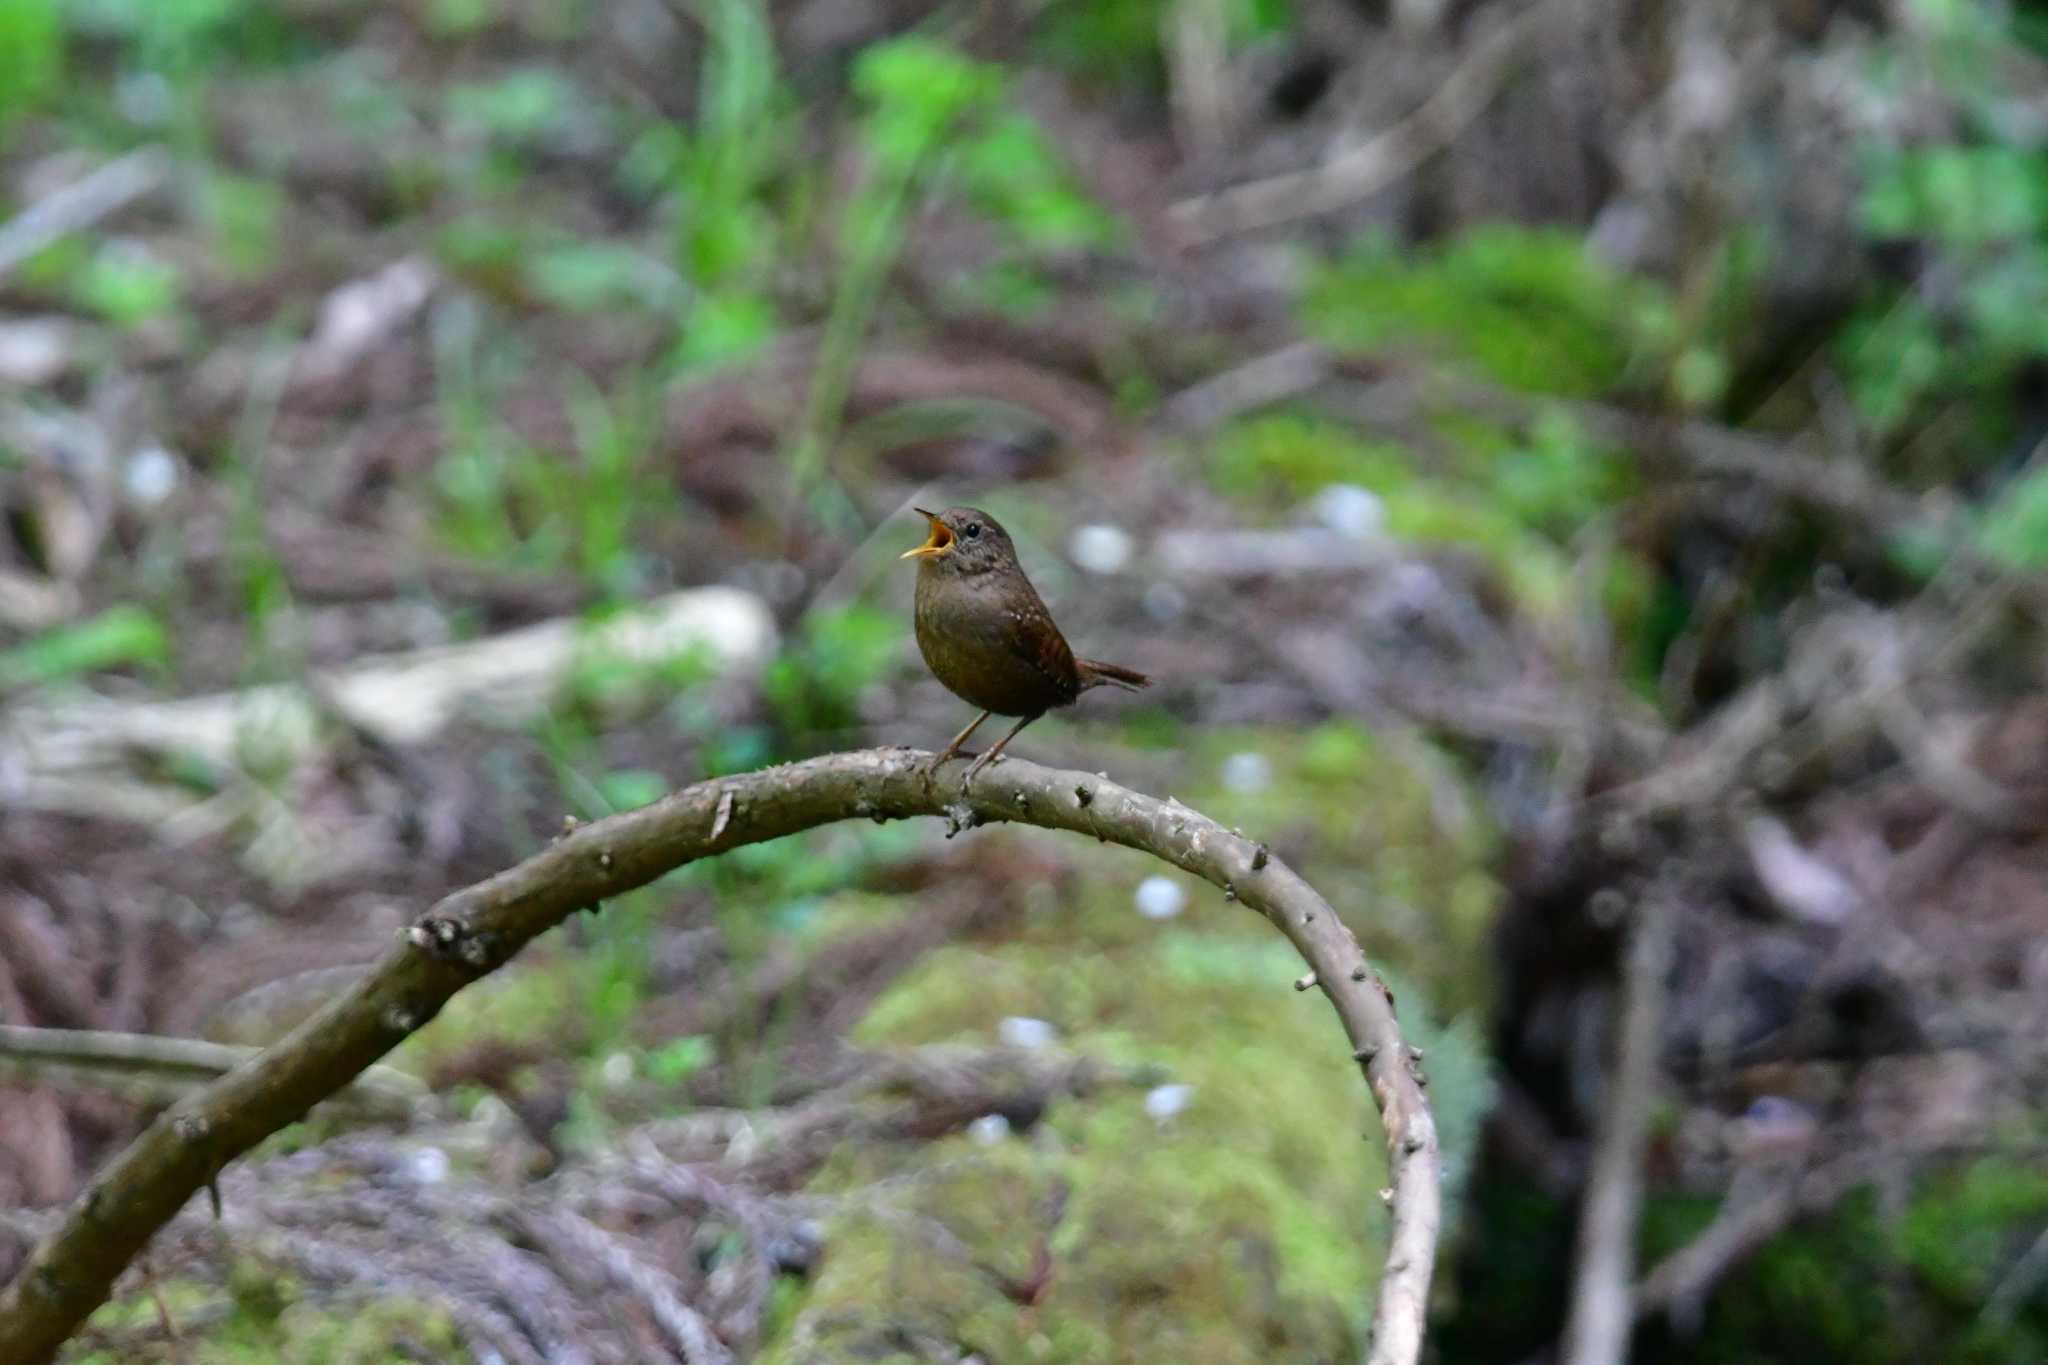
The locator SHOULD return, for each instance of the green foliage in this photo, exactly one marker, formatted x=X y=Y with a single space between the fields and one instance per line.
x=1863 y=1290
x=126 y=285
x=1285 y=458
x=1530 y=308
x=118 y=636
x=503 y=501
x=588 y=277
x=31 y=55
x=1119 y=41
x=1517 y=499
x=935 y=126
x=243 y=214
x=522 y=107
x=814 y=687
x=1976 y=201
x=2015 y=530
x=183 y=38
x=720 y=176
x=679 y=1059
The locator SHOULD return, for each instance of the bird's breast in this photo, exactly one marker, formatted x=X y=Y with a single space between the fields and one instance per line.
x=992 y=648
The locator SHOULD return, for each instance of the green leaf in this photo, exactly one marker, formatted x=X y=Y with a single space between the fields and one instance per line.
x=724 y=329
x=31 y=54
x=521 y=107
x=679 y=1059
x=2015 y=532
x=118 y=636
x=1529 y=307
x=127 y=285
x=586 y=276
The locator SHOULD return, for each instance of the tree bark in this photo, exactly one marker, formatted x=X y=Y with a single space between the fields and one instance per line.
x=476 y=930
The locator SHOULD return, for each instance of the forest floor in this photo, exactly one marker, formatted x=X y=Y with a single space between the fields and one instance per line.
x=1504 y=589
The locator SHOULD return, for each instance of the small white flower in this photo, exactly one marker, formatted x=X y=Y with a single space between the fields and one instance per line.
x=988 y=1130
x=618 y=1069
x=430 y=1165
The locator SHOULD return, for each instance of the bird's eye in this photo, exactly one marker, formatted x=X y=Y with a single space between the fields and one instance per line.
x=972 y=530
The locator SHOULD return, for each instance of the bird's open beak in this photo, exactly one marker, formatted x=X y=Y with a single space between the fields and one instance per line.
x=941 y=541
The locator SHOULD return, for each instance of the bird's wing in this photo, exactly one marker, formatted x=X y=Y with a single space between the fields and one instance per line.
x=1038 y=641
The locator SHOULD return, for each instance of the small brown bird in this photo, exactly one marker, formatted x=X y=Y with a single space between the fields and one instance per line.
x=985 y=633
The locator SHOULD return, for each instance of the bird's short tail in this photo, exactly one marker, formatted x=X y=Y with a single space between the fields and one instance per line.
x=1095 y=674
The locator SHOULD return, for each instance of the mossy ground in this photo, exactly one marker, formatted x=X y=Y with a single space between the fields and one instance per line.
x=1245 y=1227
x=266 y=1320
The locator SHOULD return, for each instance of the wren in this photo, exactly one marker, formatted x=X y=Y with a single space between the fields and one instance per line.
x=986 y=634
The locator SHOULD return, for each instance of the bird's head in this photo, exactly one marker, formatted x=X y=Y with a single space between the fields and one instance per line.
x=963 y=540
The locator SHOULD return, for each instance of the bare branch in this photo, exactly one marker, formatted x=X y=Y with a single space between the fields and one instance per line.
x=1379 y=161
x=147 y=1064
x=1598 y=1329
x=106 y=191
x=478 y=929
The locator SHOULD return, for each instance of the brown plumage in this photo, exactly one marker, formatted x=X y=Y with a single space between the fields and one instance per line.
x=985 y=633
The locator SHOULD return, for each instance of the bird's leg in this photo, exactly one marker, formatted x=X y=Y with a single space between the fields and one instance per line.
x=996 y=749
x=959 y=740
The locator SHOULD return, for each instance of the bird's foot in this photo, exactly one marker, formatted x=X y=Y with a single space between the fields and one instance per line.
x=940 y=760
x=992 y=756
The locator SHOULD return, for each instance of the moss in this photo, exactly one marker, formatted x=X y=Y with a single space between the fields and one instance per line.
x=268 y=1320
x=1859 y=1285
x=1220 y=1234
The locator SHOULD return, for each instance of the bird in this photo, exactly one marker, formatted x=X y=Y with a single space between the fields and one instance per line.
x=986 y=634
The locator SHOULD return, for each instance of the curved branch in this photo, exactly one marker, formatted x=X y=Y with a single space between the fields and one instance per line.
x=476 y=930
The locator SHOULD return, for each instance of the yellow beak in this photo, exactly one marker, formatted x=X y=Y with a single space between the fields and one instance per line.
x=941 y=541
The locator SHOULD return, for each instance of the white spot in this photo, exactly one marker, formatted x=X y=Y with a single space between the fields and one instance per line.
x=152 y=475
x=1160 y=898
x=1100 y=548
x=618 y=1069
x=1163 y=1102
x=1247 y=770
x=34 y=351
x=1018 y=1031
x=988 y=1130
x=430 y=1165
x=1164 y=601
x=1351 y=511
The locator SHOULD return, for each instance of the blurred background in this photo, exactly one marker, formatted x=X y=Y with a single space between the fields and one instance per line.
x=1574 y=468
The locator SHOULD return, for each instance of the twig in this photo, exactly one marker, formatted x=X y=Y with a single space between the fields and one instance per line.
x=1686 y=1275
x=1356 y=172
x=476 y=930
x=1285 y=373
x=81 y=204
x=1596 y=1333
x=2018 y=1284
x=169 y=1065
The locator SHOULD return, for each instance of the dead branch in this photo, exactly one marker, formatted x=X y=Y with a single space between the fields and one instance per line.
x=148 y=1063
x=1597 y=1331
x=478 y=929
x=78 y=755
x=1358 y=172
x=81 y=204
x=1689 y=1273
